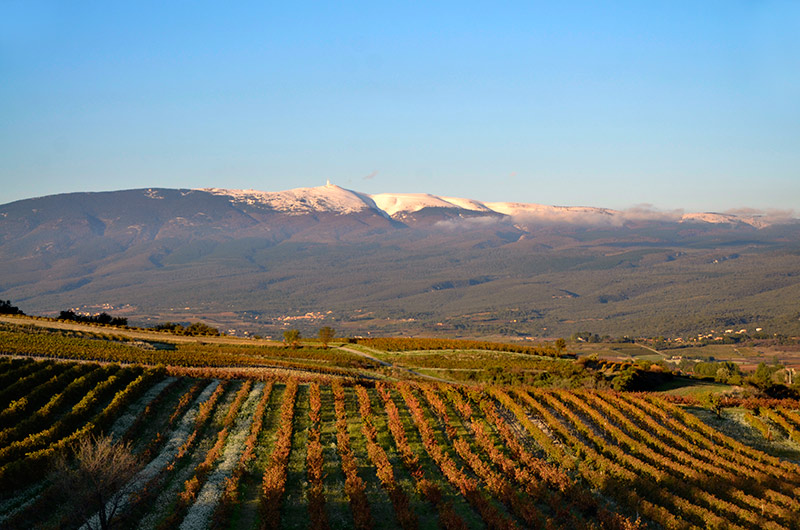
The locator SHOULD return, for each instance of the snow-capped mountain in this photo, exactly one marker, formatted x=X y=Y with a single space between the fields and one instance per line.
x=399 y=257
x=328 y=198
x=402 y=206
x=406 y=203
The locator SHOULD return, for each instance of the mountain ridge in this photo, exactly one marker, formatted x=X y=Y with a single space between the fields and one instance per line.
x=394 y=263
x=331 y=198
x=307 y=200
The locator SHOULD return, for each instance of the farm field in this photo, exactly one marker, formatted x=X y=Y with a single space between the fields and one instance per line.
x=192 y=354
x=343 y=452
x=448 y=359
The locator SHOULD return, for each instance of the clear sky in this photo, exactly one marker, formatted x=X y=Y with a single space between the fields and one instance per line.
x=680 y=104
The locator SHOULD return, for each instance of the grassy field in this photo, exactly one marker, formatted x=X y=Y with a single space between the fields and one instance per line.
x=684 y=386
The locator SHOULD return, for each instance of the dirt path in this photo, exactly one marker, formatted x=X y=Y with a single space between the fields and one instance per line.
x=390 y=365
x=365 y=355
x=651 y=349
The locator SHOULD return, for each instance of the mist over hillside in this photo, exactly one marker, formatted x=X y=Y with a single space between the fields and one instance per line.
x=398 y=263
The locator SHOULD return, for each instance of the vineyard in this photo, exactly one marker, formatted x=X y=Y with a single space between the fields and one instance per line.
x=102 y=347
x=341 y=453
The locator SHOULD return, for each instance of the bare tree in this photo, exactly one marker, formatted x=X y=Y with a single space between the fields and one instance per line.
x=98 y=481
x=326 y=335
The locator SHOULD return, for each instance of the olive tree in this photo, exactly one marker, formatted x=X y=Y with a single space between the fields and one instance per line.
x=712 y=401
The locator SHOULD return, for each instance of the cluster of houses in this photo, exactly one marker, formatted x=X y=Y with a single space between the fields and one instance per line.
x=714 y=335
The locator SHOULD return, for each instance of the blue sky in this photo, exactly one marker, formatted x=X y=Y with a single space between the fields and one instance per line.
x=679 y=104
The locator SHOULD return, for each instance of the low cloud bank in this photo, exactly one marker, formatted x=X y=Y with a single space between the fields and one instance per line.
x=771 y=216
x=641 y=213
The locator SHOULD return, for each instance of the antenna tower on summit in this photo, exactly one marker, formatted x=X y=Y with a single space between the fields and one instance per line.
x=328 y=182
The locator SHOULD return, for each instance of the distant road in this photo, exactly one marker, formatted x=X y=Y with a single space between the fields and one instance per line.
x=365 y=355
x=651 y=349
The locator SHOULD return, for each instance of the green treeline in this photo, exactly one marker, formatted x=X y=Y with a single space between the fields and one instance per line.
x=194 y=329
x=102 y=318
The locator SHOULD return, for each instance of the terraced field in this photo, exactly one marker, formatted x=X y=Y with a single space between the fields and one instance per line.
x=333 y=453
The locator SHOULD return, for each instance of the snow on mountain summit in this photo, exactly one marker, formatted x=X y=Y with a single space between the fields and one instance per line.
x=394 y=203
x=328 y=198
x=335 y=199
x=719 y=218
x=405 y=203
x=564 y=213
